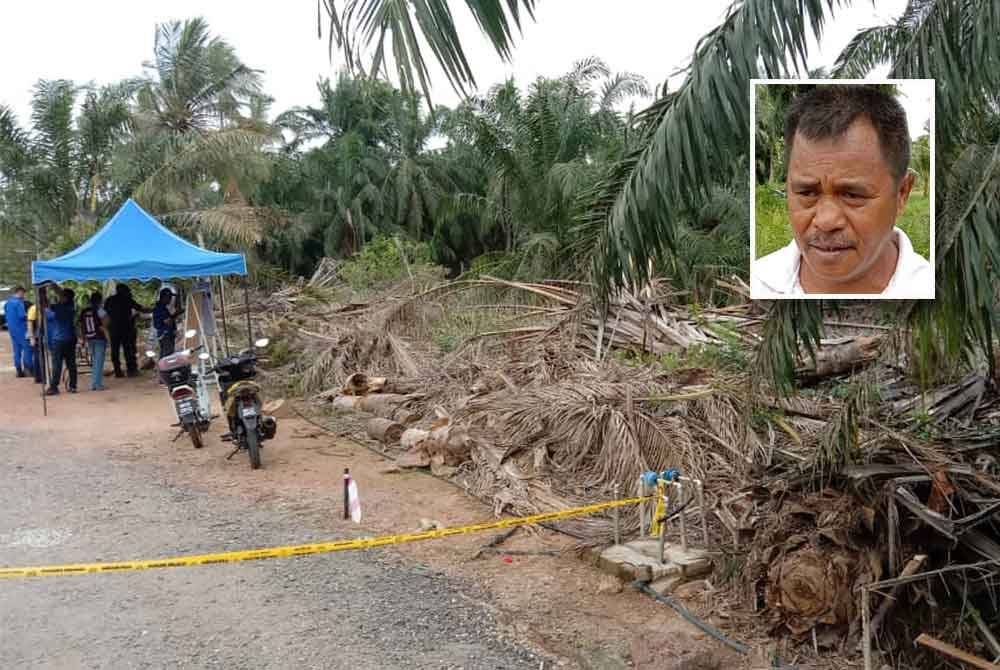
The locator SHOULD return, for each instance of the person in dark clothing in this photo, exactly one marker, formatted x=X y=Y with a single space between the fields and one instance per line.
x=35 y=315
x=60 y=320
x=120 y=308
x=165 y=323
x=93 y=324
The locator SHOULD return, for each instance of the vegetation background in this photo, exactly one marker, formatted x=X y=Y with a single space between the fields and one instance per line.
x=589 y=174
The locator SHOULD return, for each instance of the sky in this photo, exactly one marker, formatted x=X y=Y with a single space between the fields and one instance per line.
x=109 y=40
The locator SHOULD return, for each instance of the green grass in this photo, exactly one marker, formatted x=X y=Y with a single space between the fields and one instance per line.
x=773 y=231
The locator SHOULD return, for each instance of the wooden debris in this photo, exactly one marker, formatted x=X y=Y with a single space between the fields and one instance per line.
x=911 y=568
x=386 y=431
x=412 y=437
x=361 y=384
x=841 y=356
x=954 y=652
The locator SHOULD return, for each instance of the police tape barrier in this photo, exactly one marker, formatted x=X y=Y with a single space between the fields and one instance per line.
x=306 y=549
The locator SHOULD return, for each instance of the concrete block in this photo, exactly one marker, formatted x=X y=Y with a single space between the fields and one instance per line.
x=639 y=559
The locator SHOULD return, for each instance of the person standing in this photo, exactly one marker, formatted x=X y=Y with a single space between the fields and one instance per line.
x=34 y=334
x=17 y=325
x=165 y=322
x=60 y=321
x=93 y=326
x=120 y=308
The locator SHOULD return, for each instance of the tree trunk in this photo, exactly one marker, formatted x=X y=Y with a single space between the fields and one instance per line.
x=841 y=356
x=386 y=431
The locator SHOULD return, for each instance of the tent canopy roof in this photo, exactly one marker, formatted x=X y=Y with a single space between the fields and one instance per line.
x=133 y=245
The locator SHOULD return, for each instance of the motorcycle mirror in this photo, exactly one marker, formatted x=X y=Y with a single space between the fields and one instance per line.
x=204 y=356
x=150 y=354
x=188 y=334
x=261 y=343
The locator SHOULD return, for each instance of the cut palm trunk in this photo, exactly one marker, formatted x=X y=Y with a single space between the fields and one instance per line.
x=836 y=357
x=412 y=437
x=386 y=431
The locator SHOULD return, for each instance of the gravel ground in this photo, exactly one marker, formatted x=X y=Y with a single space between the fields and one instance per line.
x=354 y=610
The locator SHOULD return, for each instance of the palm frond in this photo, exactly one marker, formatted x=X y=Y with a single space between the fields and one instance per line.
x=359 y=25
x=195 y=157
x=706 y=118
x=241 y=225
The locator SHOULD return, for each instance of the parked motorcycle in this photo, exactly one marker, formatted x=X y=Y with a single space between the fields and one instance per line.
x=186 y=390
x=241 y=400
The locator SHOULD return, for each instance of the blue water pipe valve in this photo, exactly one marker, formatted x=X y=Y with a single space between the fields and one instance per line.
x=670 y=475
x=649 y=478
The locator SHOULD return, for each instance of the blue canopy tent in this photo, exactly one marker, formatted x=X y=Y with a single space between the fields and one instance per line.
x=134 y=245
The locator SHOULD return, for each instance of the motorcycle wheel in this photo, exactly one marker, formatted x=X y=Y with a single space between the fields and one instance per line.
x=253 y=448
x=194 y=432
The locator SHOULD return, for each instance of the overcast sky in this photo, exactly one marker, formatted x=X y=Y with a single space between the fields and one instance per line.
x=109 y=40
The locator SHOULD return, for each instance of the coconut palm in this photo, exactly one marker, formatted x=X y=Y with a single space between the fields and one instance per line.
x=57 y=170
x=195 y=126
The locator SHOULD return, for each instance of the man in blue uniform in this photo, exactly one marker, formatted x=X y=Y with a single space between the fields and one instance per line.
x=17 y=324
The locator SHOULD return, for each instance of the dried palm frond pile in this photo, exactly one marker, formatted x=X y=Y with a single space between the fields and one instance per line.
x=536 y=397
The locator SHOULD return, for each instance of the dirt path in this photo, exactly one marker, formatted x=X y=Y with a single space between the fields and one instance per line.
x=100 y=479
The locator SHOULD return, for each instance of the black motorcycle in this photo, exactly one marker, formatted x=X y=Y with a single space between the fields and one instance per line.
x=187 y=391
x=241 y=402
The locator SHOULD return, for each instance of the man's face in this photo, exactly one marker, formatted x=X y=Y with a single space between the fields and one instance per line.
x=19 y=294
x=843 y=201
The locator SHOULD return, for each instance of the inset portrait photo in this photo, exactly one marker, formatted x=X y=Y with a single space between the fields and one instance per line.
x=843 y=191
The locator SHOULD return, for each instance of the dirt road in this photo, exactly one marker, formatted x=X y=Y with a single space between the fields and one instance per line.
x=100 y=479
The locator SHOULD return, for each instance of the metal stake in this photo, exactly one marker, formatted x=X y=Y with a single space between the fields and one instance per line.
x=641 y=493
x=663 y=524
x=684 y=532
x=347 y=484
x=617 y=516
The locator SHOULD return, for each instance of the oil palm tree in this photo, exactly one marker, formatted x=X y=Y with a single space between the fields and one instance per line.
x=389 y=29
x=955 y=43
x=542 y=150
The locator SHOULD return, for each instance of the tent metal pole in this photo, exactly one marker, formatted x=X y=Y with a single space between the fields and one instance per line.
x=246 y=303
x=40 y=336
x=222 y=302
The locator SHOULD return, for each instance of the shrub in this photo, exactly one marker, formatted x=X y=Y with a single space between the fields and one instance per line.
x=380 y=262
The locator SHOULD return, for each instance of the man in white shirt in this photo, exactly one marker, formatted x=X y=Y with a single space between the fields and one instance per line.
x=847 y=148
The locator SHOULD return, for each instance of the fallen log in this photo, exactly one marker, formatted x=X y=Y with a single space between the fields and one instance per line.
x=347 y=402
x=416 y=458
x=836 y=357
x=412 y=437
x=382 y=404
x=386 y=431
x=361 y=384
x=385 y=405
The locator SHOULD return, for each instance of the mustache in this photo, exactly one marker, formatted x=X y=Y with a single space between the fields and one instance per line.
x=824 y=241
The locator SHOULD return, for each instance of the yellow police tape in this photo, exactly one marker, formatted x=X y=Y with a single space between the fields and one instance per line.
x=305 y=549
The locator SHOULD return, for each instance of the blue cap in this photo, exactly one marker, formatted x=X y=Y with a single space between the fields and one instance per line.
x=670 y=475
x=649 y=478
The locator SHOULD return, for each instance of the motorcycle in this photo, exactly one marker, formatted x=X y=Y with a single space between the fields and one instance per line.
x=241 y=401
x=186 y=389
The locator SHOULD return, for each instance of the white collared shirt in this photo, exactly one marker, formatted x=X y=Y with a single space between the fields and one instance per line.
x=777 y=275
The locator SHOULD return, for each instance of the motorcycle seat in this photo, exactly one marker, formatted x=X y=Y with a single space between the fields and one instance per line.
x=174 y=361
